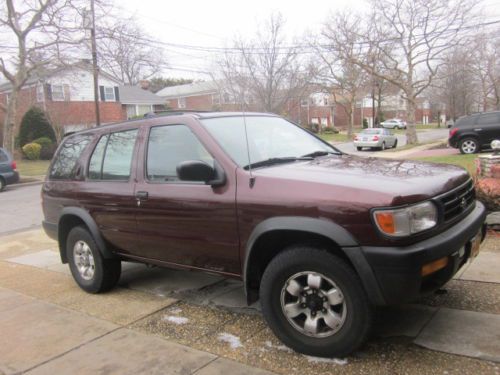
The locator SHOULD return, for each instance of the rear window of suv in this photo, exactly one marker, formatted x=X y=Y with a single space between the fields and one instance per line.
x=112 y=156
x=64 y=163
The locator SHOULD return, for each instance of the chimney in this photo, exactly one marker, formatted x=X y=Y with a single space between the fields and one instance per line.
x=144 y=84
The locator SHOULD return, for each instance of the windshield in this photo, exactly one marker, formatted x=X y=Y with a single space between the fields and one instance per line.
x=268 y=137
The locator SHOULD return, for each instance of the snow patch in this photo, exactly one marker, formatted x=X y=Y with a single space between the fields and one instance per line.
x=175 y=311
x=336 y=361
x=233 y=341
x=284 y=348
x=176 y=319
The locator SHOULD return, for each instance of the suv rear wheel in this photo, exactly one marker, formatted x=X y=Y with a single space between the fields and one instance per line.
x=469 y=146
x=91 y=271
x=314 y=302
x=2 y=184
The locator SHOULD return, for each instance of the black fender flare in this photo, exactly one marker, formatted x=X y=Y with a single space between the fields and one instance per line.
x=326 y=228
x=85 y=216
x=318 y=226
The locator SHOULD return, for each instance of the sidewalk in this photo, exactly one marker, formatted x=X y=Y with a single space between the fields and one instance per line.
x=165 y=321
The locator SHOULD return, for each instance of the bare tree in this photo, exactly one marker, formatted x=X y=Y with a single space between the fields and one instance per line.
x=345 y=80
x=486 y=67
x=411 y=36
x=265 y=70
x=127 y=52
x=41 y=33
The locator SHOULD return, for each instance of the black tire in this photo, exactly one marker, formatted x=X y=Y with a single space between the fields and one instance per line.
x=2 y=184
x=106 y=272
x=468 y=145
x=395 y=144
x=383 y=146
x=359 y=148
x=358 y=317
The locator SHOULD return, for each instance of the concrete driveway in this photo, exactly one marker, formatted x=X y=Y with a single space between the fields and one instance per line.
x=168 y=321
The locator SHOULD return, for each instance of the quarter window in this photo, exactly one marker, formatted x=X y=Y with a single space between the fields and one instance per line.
x=170 y=145
x=490 y=118
x=112 y=157
x=3 y=157
x=65 y=161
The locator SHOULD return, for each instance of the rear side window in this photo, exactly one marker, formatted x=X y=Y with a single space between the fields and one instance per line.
x=489 y=118
x=112 y=157
x=64 y=163
x=170 y=145
x=3 y=157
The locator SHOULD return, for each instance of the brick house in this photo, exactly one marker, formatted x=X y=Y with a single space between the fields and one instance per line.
x=67 y=96
x=315 y=107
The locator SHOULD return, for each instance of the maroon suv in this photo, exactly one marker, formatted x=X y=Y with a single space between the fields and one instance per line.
x=320 y=237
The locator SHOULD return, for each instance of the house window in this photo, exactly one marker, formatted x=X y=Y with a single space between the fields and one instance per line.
x=181 y=102
x=325 y=100
x=7 y=98
x=109 y=94
x=57 y=93
x=304 y=102
x=40 y=97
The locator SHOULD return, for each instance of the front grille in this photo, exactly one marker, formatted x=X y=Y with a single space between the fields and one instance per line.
x=456 y=201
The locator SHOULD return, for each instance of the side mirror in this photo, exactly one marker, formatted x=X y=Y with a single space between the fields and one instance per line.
x=195 y=170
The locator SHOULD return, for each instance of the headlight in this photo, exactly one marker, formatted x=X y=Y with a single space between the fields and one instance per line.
x=405 y=221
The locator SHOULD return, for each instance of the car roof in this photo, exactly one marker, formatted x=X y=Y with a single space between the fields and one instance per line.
x=150 y=117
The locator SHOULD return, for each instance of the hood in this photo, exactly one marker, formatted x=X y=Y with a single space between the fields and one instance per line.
x=395 y=182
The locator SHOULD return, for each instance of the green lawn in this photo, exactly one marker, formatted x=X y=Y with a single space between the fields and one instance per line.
x=465 y=161
x=32 y=167
x=340 y=137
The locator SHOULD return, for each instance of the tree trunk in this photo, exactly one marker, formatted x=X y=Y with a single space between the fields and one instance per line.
x=10 y=122
x=351 y=120
x=411 y=129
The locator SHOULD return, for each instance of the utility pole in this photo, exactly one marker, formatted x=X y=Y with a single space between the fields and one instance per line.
x=95 y=69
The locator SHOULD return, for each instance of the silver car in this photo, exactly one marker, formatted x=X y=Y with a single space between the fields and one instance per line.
x=394 y=123
x=376 y=138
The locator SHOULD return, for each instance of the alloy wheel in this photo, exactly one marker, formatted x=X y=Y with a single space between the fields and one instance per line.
x=313 y=304
x=469 y=146
x=84 y=260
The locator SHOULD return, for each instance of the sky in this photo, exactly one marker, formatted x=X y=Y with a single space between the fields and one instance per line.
x=216 y=23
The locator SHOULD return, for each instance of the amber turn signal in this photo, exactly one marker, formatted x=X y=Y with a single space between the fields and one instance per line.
x=385 y=221
x=434 y=266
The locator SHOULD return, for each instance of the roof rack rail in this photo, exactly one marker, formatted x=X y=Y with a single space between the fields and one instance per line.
x=172 y=112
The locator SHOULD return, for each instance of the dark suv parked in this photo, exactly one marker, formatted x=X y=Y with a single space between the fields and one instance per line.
x=8 y=169
x=319 y=236
x=474 y=133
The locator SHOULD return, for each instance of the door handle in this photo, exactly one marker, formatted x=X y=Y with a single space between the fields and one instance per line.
x=142 y=195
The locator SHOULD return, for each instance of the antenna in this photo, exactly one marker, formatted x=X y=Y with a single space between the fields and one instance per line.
x=251 y=183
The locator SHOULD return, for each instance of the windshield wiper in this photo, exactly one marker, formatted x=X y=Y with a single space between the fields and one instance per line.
x=272 y=161
x=315 y=154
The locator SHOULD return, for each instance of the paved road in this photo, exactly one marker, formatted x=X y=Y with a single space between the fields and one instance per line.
x=423 y=137
x=20 y=208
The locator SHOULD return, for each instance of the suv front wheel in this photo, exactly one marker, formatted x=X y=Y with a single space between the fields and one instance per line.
x=314 y=302
x=469 y=146
x=91 y=271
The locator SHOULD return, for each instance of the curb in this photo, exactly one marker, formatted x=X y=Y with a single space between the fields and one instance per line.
x=408 y=152
x=31 y=183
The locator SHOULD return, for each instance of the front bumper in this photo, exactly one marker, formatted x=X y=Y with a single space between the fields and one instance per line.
x=397 y=270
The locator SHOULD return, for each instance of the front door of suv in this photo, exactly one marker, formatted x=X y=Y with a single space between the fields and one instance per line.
x=184 y=223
